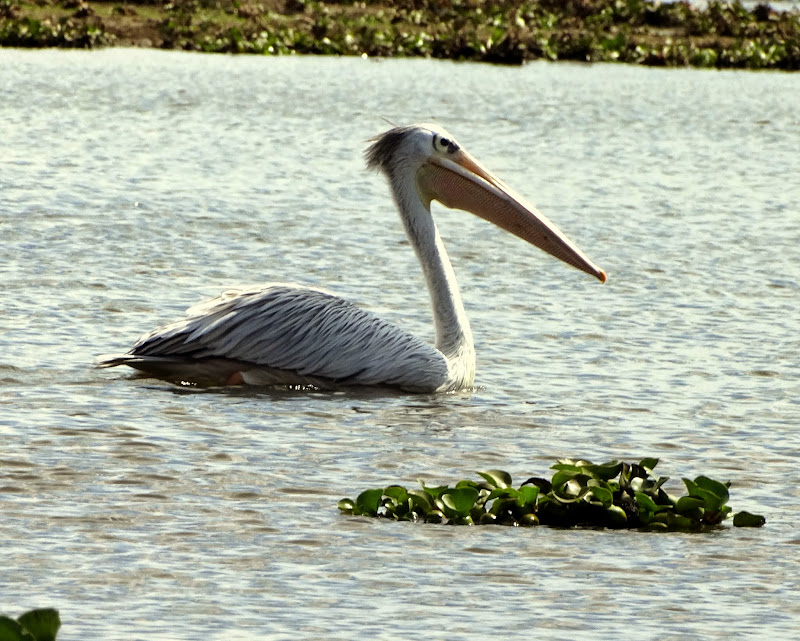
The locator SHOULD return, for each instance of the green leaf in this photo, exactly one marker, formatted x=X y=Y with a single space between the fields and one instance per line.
x=502 y=492
x=607 y=485
x=745 y=519
x=396 y=492
x=460 y=500
x=691 y=487
x=713 y=493
x=43 y=623
x=648 y=463
x=11 y=630
x=562 y=476
x=527 y=496
x=420 y=502
x=646 y=503
x=688 y=504
x=603 y=495
x=572 y=492
x=662 y=517
x=616 y=516
x=503 y=505
x=497 y=478
x=680 y=522
x=715 y=487
x=566 y=462
x=577 y=486
x=468 y=483
x=345 y=505
x=566 y=466
x=657 y=485
x=711 y=502
x=605 y=472
x=434 y=492
x=368 y=501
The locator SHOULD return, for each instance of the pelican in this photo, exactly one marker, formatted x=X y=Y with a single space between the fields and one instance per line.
x=291 y=335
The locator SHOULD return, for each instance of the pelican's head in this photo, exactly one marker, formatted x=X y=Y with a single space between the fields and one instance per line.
x=443 y=171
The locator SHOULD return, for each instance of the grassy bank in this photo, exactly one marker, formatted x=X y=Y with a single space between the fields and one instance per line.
x=720 y=34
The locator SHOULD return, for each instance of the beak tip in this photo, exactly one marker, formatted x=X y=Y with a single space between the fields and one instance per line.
x=602 y=276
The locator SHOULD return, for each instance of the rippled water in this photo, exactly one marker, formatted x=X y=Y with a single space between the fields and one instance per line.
x=135 y=183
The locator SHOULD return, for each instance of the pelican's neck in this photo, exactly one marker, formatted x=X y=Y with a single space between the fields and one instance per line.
x=453 y=333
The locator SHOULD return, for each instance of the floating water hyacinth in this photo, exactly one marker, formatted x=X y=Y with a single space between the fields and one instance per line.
x=35 y=625
x=580 y=493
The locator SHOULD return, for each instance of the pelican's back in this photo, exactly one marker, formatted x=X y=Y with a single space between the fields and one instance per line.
x=286 y=334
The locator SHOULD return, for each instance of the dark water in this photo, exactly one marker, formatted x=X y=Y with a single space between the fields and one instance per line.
x=135 y=183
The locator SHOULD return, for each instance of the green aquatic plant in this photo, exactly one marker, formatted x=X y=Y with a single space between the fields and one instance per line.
x=66 y=32
x=715 y=34
x=35 y=625
x=580 y=493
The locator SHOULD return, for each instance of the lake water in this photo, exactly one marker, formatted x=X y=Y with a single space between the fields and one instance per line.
x=135 y=183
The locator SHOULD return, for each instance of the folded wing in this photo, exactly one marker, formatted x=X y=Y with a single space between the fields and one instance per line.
x=307 y=333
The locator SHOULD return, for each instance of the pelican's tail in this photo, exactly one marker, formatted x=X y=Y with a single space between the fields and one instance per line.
x=112 y=360
x=143 y=363
x=210 y=371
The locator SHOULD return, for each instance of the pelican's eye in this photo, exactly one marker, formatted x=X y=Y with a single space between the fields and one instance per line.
x=445 y=145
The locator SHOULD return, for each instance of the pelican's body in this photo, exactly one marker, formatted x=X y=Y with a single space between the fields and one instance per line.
x=282 y=334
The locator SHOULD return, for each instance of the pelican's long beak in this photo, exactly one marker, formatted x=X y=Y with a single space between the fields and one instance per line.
x=461 y=182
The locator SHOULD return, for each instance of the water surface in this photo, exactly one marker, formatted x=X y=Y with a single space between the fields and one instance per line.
x=135 y=183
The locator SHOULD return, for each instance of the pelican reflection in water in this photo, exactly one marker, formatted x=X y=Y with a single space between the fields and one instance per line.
x=281 y=334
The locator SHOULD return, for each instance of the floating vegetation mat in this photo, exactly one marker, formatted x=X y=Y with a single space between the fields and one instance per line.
x=36 y=625
x=580 y=493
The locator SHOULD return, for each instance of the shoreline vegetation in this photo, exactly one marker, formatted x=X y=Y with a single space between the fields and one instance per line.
x=647 y=32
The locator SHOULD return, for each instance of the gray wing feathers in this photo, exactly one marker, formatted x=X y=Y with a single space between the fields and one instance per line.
x=303 y=330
